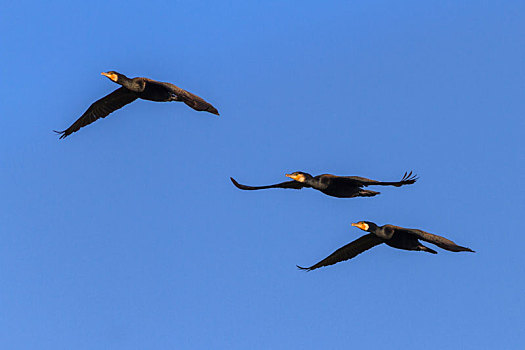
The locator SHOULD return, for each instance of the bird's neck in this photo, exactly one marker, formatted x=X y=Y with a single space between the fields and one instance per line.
x=382 y=233
x=315 y=183
x=130 y=84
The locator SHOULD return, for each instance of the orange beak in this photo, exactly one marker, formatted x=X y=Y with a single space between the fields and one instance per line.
x=299 y=177
x=361 y=225
x=112 y=76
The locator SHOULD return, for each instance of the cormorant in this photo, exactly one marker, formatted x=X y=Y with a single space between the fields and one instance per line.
x=144 y=88
x=394 y=236
x=332 y=185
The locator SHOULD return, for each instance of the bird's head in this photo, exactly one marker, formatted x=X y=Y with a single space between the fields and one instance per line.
x=366 y=226
x=299 y=176
x=113 y=76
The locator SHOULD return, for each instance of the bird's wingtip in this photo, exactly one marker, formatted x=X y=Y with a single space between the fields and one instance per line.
x=61 y=133
x=409 y=177
x=307 y=269
x=235 y=183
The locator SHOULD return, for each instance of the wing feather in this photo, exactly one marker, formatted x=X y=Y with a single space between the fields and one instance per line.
x=407 y=179
x=101 y=109
x=348 y=251
x=288 y=184
x=359 y=181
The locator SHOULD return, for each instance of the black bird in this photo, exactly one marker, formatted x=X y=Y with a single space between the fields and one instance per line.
x=394 y=236
x=144 y=88
x=332 y=185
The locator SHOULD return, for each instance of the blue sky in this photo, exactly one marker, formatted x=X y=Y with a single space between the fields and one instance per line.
x=129 y=234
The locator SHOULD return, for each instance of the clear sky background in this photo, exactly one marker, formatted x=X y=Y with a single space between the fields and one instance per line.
x=129 y=234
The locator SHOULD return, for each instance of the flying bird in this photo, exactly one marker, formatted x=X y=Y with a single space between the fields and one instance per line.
x=394 y=236
x=144 y=88
x=332 y=185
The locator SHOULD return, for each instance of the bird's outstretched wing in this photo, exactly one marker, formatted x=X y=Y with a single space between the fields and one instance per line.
x=101 y=109
x=441 y=242
x=348 y=251
x=407 y=179
x=288 y=184
x=192 y=100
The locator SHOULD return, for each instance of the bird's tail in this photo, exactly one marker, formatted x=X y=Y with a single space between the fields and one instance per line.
x=427 y=249
x=368 y=193
x=456 y=248
x=212 y=110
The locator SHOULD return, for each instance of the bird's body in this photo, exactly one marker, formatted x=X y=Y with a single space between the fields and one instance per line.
x=132 y=89
x=401 y=239
x=332 y=185
x=393 y=236
x=153 y=91
x=342 y=187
